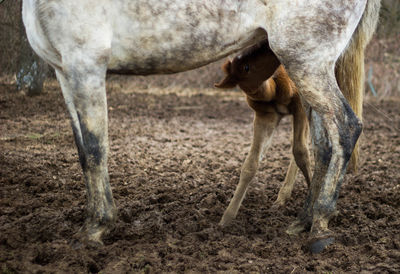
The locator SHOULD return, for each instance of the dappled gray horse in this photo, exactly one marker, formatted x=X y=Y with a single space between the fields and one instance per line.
x=83 y=39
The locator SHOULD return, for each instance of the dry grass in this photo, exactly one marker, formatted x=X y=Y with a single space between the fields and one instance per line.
x=383 y=58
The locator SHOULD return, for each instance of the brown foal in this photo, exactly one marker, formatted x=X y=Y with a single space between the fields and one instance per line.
x=271 y=94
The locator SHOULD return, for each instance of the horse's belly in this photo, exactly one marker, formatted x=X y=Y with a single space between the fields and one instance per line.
x=169 y=57
x=158 y=37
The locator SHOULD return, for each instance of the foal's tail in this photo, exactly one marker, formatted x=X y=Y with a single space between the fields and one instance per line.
x=350 y=66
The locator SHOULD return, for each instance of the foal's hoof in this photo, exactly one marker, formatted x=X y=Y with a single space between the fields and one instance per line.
x=281 y=201
x=226 y=220
x=224 y=223
x=278 y=204
x=318 y=245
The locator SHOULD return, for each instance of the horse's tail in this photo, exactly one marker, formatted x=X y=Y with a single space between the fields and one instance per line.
x=350 y=66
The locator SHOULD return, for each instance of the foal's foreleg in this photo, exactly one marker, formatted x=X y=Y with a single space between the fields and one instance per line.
x=85 y=96
x=264 y=125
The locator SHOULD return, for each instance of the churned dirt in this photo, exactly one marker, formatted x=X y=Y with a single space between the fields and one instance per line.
x=174 y=164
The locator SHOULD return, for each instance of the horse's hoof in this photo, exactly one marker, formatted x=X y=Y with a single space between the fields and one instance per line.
x=89 y=236
x=83 y=239
x=297 y=227
x=319 y=245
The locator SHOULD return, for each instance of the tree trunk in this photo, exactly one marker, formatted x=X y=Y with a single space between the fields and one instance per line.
x=31 y=71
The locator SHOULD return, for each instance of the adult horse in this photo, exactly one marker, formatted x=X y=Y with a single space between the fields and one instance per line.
x=83 y=39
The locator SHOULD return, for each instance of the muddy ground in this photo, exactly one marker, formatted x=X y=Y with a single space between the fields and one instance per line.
x=174 y=164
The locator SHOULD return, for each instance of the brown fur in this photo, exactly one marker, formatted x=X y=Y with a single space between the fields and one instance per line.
x=271 y=94
x=268 y=88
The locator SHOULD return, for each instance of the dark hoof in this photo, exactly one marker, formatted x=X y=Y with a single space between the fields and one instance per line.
x=319 y=245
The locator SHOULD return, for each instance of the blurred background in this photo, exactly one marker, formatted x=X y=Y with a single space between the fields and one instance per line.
x=382 y=59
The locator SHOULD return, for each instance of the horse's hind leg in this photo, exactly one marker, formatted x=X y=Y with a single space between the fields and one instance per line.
x=84 y=92
x=335 y=130
x=308 y=44
x=286 y=189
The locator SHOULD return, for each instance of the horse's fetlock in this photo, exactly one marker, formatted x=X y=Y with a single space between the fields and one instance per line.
x=109 y=217
x=323 y=212
x=103 y=217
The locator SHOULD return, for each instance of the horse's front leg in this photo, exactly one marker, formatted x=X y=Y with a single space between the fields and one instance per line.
x=264 y=125
x=85 y=95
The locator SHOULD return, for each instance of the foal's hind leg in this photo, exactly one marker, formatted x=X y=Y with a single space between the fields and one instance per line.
x=301 y=157
x=84 y=92
x=286 y=189
x=264 y=125
x=300 y=140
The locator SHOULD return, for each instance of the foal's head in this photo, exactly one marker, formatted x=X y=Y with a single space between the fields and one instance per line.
x=250 y=68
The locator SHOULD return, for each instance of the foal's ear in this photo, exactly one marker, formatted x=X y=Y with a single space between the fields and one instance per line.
x=227 y=67
x=229 y=81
